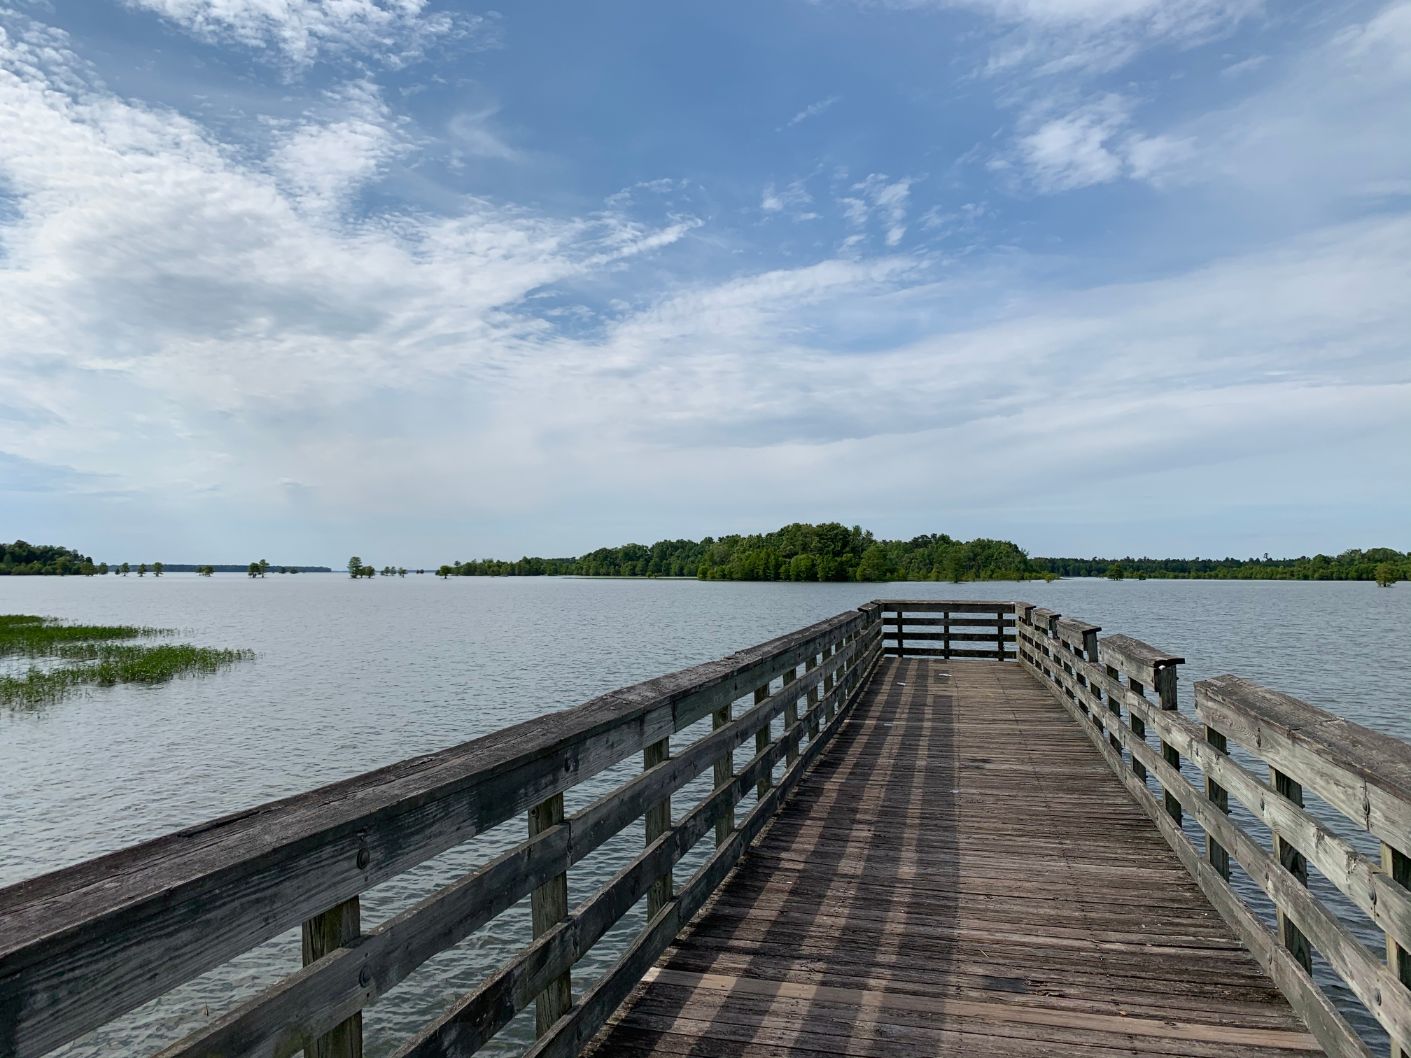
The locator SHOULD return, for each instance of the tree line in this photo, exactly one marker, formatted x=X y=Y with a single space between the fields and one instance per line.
x=834 y=552
x=798 y=552
x=1381 y=564
x=47 y=560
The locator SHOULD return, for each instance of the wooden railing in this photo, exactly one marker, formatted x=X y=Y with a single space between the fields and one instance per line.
x=931 y=628
x=1124 y=693
x=82 y=946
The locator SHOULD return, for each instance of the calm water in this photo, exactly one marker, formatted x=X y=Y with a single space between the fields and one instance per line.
x=400 y=667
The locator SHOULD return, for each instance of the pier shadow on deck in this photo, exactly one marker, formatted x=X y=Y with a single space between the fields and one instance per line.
x=961 y=874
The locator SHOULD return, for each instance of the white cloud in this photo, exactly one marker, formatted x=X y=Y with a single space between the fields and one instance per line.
x=881 y=199
x=342 y=147
x=301 y=30
x=1326 y=131
x=1095 y=145
x=1095 y=36
x=473 y=134
x=793 y=198
x=812 y=111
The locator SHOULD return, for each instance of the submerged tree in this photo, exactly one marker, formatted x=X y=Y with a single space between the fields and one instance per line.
x=124 y=569
x=205 y=571
x=1386 y=575
x=355 y=567
x=142 y=570
x=157 y=568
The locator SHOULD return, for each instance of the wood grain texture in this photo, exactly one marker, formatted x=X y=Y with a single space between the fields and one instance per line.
x=885 y=912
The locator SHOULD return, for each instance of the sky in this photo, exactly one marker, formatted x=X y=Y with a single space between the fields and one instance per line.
x=425 y=281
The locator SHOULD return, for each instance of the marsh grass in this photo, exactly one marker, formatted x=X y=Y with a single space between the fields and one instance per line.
x=89 y=658
x=34 y=636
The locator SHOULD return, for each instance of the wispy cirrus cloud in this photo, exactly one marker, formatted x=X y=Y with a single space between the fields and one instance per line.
x=1092 y=144
x=1049 y=37
x=301 y=31
x=813 y=110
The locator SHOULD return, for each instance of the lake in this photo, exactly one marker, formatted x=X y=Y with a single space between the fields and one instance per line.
x=397 y=667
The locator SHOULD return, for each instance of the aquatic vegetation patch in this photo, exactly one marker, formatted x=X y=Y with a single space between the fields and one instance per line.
x=88 y=657
x=33 y=636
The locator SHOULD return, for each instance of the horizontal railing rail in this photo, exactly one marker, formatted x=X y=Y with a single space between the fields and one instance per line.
x=1364 y=775
x=82 y=946
x=931 y=628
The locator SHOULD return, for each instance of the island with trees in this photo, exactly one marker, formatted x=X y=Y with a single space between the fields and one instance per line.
x=834 y=552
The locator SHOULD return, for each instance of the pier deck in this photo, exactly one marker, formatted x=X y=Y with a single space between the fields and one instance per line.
x=961 y=873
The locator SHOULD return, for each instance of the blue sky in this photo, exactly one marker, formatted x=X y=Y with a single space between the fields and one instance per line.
x=427 y=281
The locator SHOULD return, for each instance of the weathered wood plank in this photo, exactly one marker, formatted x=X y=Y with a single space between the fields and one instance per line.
x=890 y=883
x=326 y=933
x=1364 y=774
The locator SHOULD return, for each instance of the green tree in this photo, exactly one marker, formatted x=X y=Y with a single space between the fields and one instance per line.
x=355 y=567
x=124 y=569
x=157 y=569
x=1115 y=571
x=444 y=571
x=1386 y=575
x=874 y=565
x=205 y=571
x=102 y=569
x=142 y=570
x=264 y=566
x=253 y=570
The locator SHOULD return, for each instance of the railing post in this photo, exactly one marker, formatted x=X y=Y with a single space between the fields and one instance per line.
x=999 y=634
x=1090 y=653
x=762 y=738
x=658 y=822
x=812 y=700
x=1166 y=695
x=1216 y=854
x=791 y=717
x=1114 y=706
x=1136 y=723
x=1398 y=868
x=724 y=776
x=829 y=681
x=1292 y=861
x=945 y=631
x=322 y=934
x=901 y=650
x=548 y=907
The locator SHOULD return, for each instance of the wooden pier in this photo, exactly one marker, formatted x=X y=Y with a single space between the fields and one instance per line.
x=933 y=827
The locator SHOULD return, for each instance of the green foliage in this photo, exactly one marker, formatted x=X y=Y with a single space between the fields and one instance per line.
x=798 y=552
x=36 y=636
x=206 y=571
x=22 y=559
x=1386 y=574
x=355 y=567
x=1353 y=564
x=90 y=657
x=1114 y=571
x=157 y=568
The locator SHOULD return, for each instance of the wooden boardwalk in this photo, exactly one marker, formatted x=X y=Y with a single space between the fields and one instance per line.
x=961 y=874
